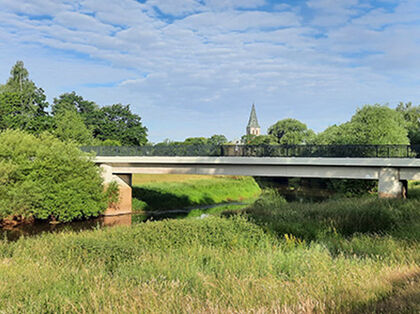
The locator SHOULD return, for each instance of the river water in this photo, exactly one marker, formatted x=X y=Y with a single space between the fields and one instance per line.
x=38 y=227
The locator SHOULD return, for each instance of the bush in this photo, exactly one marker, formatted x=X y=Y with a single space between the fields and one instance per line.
x=44 y=178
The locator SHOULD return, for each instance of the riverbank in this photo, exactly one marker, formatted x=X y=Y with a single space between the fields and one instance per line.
x=220 y=264
x=357 y=255
x=153 y=193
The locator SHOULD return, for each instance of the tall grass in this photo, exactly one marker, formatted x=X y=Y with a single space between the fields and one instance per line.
x=193 y=265
x=346 y=216
x=353 y=255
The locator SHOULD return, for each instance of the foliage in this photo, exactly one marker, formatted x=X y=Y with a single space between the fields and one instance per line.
x=335 y=134
x=217 y=139
x=251 y=139
x=411 y=116
x=195 y=141
x=23 y=106
x=376 y=125
x=117 y=122
x=22 y=103
x=291 y=131
x=69 y=126
x=47 y=179
x=107 y=142
x=351 y=187
x=112 y=193
x=72 y=101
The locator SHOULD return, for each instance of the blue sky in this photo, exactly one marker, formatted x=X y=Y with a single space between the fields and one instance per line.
x=194 y=67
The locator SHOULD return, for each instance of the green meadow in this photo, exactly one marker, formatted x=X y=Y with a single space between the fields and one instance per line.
x=349 y=256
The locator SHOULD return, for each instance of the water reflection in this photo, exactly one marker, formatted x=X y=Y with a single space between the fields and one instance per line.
x=121 y=220
x=38 y=227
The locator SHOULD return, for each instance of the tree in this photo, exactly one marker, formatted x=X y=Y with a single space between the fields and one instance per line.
x=251 y=139
x=376 y=125
x=335 y=134
x=372 y=124
x=117 y=122
x=69 y=126
x=42 y=177
x=195 y=141
x=291 y=131
x=217 y=139
x=72 y=101
x=23 y=102
x=411 y=116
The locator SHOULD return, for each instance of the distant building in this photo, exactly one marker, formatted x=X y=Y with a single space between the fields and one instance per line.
x=253 y=127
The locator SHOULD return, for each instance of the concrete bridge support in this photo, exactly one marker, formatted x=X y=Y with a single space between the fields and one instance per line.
x=124 y=206
x=390 y=185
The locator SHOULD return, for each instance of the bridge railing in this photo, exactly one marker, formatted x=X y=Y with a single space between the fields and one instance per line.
x=361 y=151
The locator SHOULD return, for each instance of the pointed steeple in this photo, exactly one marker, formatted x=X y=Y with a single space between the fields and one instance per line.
x=253 y=126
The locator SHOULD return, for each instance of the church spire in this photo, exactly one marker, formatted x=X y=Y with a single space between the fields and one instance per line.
x=253 y=126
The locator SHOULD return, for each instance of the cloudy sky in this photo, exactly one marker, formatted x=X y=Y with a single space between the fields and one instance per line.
x=194 y=67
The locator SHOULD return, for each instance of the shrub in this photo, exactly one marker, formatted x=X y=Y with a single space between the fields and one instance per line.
x=44 y=178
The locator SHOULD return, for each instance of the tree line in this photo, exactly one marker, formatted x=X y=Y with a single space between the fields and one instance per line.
x=23 y=106
x=371 y=124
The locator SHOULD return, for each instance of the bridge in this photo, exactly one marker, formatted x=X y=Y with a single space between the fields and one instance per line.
x=400 y=164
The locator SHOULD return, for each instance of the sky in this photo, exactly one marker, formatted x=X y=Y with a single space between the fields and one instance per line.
x=194 y=67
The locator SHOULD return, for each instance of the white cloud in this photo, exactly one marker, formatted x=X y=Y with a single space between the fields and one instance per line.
x=332 y=12
x=83 y=22
x=176 y=8
x=234 y=4
x=36 y=7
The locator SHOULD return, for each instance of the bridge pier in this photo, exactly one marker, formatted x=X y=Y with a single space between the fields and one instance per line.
x=124 y=205
x=390 y=185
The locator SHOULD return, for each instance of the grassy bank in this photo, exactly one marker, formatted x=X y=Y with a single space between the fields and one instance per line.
x=165 y=192
x=238 y=264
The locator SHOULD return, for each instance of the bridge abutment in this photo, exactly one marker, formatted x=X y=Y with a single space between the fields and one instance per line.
x=124 y=205
x=390 y=185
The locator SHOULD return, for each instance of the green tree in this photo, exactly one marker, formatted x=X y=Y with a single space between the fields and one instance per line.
x=251 y=139
x=72 y=101
x=97 y=142
x=335 y=134
x=69 y=126
x=376 y=124
x=23 y=103
x=117 y=122
x=42 y=177
x=411 y=116
x=291 y=131
x=371 y=124
x=217 y=139
x=195 y=141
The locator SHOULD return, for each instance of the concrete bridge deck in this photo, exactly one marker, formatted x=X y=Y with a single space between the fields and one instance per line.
x=392 y=173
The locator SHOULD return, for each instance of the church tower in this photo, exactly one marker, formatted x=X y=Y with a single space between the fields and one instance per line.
x=253 y=127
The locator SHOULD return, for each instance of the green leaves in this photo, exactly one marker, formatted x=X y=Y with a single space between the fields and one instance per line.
x=372 y=124
x=291 y=131
x=23 y=104
x=46 y=178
